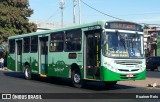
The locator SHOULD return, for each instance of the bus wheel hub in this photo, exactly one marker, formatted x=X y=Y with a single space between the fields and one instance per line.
x=26 y=72
x=77 y=78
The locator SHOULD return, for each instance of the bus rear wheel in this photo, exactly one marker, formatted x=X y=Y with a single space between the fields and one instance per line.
x=76 y=79
x=27 y=72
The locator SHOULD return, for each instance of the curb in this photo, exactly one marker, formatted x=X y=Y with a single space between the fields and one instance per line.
x=5 y=69
x=154 y=85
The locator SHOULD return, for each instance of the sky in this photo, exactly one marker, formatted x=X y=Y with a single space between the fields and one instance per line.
x=141 y=11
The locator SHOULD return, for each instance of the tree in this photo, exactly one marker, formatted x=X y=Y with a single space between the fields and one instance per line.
x=14 y=18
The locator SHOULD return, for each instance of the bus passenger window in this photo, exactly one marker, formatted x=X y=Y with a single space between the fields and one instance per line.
x=11 y=46
x=26 y=47
x=57 y=42
x=73 y=40
x=34 y=43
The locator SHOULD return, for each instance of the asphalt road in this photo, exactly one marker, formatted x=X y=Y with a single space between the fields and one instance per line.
x=153 y=74
x=14 y=82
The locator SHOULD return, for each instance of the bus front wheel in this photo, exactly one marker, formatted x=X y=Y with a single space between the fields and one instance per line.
x=27 y=72
x=76 y=79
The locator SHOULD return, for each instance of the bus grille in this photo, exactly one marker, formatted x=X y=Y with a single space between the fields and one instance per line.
x=126 y=62
x=126 y=70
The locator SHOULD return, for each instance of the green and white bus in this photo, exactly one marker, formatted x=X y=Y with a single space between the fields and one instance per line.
x=107 y=51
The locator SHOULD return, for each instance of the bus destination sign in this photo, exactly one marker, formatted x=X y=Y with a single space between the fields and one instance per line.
x=123 y=26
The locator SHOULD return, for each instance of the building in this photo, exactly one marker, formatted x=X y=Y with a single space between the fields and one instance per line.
x=44 y=25
x=47 y=25
x=151 y=34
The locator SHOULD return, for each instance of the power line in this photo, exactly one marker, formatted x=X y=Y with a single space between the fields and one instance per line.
x=56 y=12
x=100 y=11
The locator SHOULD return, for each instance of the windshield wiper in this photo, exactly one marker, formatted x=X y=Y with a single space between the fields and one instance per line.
x=133 y=37
x=121 y=39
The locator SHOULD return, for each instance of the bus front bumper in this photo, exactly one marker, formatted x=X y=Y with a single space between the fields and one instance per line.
x=108 y=75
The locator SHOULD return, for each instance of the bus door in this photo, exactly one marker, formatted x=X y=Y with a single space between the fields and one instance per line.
x=43 y=55
x=18 y=55
x=92 y=54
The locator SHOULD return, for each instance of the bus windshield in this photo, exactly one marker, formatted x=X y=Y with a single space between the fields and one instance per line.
x=123 y=45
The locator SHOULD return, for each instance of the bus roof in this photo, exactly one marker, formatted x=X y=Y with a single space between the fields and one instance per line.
x=65 y=28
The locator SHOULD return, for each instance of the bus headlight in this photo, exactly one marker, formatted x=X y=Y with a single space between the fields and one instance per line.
x=139 y=67
x=113 y=69
x=110 y=67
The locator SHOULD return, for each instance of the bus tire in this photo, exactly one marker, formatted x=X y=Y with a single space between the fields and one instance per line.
x=76 y=78
x=110 y=84
x=27 y=72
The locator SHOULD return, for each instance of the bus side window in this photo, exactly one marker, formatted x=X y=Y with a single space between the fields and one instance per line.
x=34 y=43
x=73 y=40
x=11 y=46
x=26 y=46
x=57 y=42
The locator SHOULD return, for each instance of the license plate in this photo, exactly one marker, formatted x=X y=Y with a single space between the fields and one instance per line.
x=129 y=75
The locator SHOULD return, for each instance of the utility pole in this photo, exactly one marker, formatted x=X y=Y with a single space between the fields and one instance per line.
x=79 y=8
x=74 y=11
x=61 y=4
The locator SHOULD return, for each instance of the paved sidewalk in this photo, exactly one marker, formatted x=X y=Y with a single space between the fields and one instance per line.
x=141 y=83
x=4 y=69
